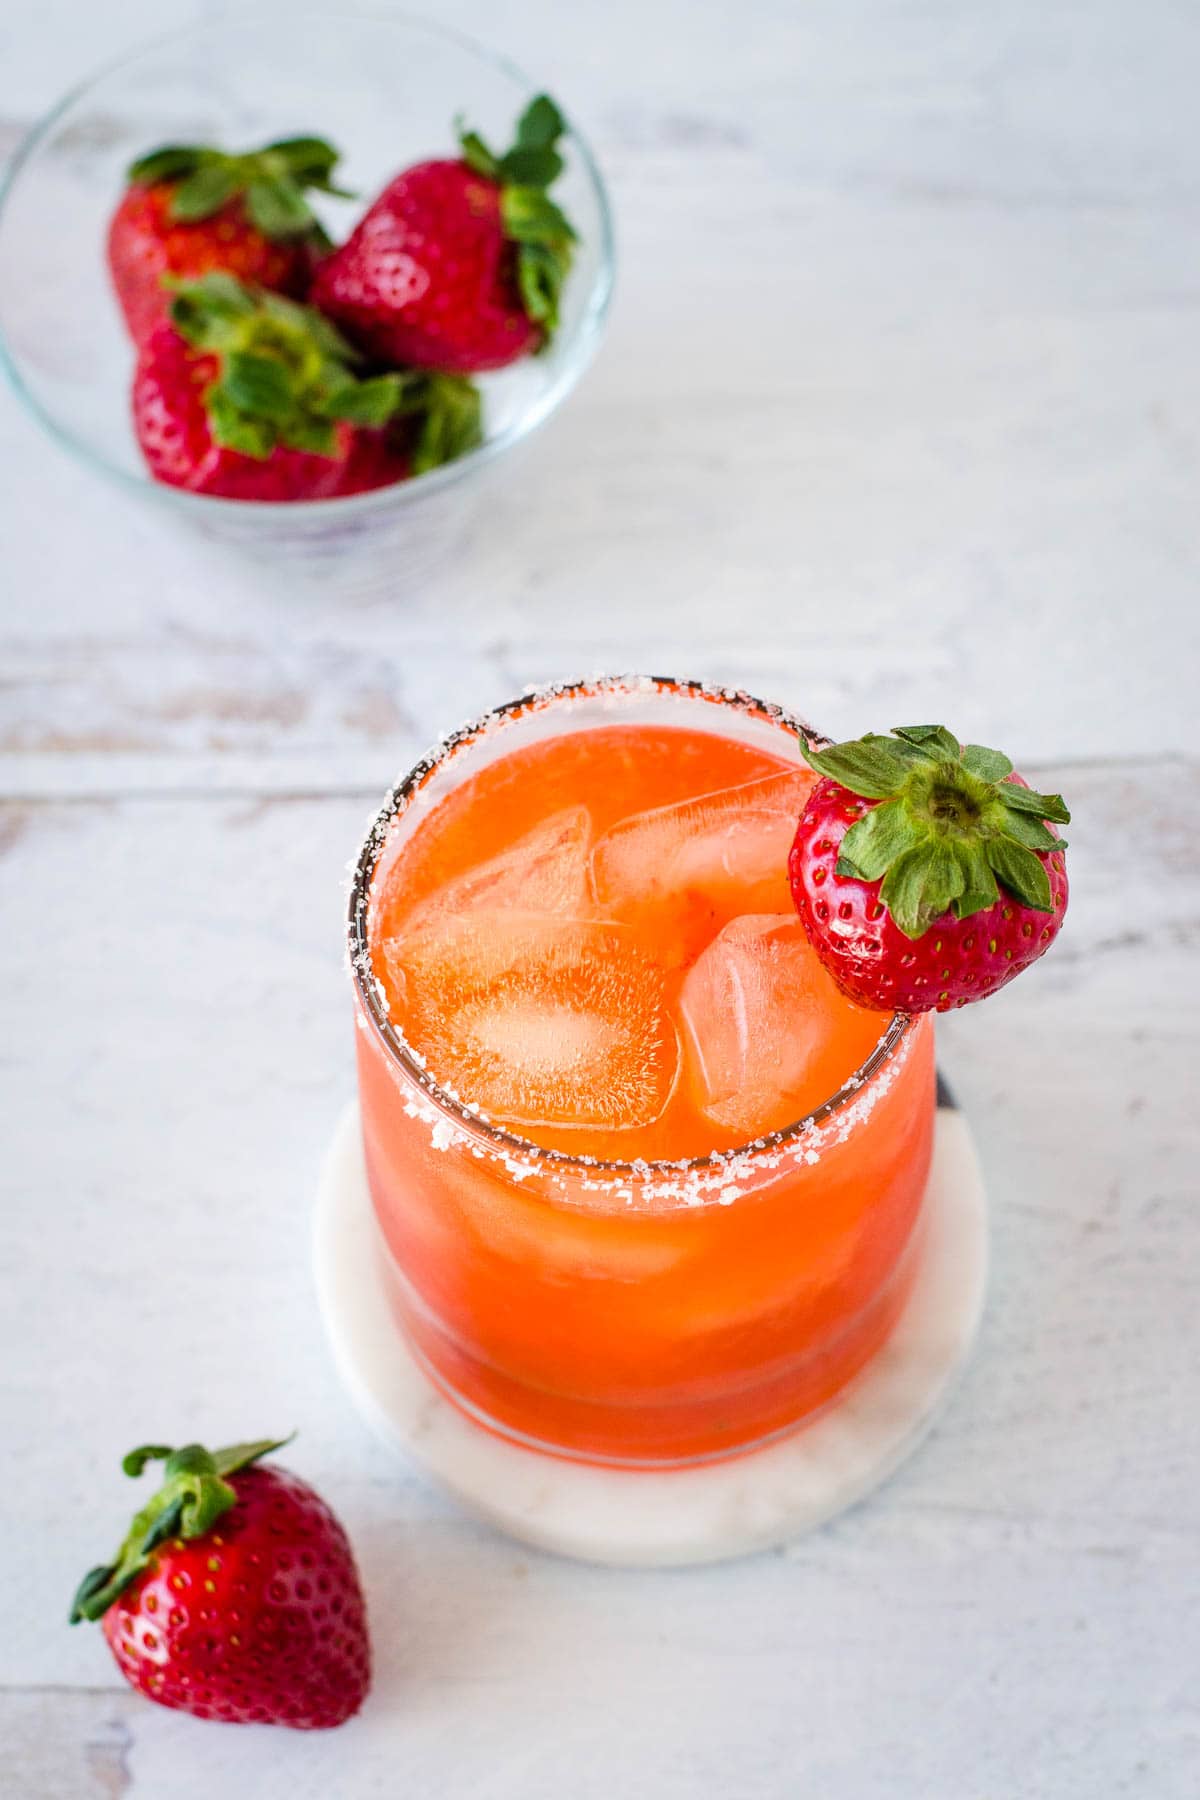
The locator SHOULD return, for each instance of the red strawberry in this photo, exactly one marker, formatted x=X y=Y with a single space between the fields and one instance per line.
x=191 y=210
x=459 y=265
x=250 y=396
x=926 y=875
x=234 y=1595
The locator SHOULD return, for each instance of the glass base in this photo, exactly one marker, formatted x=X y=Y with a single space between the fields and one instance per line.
x=705 y=1512
x=863 y=1340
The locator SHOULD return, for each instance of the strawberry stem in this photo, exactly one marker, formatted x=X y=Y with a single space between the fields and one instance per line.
x=193 y=1495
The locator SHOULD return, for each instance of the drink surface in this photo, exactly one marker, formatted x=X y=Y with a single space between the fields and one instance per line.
x=593 y=940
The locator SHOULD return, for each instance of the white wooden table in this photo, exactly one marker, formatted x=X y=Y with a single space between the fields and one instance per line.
x=897 y=419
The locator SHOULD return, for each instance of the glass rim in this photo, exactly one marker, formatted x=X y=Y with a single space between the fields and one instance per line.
x=400 y=1053
x=583 y=341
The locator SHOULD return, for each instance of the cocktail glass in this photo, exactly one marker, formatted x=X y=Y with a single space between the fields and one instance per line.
x=637 y=1312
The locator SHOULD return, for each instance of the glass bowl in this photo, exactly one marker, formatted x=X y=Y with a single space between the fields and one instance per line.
x=386 y=90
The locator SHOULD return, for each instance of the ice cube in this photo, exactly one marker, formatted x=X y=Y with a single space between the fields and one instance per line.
x=542 y=1020
x=545 y=871
x=679 y=873
x=766 y=1034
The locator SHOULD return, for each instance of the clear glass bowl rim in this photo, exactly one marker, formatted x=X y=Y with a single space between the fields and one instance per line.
x=584 y=340
x=398 y=1053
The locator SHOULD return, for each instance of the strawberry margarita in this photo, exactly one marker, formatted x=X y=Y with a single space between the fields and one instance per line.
x=649 y=1185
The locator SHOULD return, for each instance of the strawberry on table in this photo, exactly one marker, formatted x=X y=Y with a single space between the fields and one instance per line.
x=246 y=395
x=190 y=209
x=459 y=264
x=234 y=1595
x=926 y=874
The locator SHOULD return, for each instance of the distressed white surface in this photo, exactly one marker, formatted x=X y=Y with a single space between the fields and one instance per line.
x=897 y=419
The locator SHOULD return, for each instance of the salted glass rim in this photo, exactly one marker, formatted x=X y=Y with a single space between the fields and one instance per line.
x=399 y=1052
x=578 y=349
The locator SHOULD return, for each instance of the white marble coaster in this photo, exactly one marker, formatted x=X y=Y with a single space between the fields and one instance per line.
x=654 y=1518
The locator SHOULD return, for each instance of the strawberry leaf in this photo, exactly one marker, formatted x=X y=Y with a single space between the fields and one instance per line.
x=259 y=385
x=921 y=885
x=531 y=217
x=872 y=766
x=169 y=163
x=217 y=293
x=234 y=430
x=540 y=279
x=320 y=330
x=201 y=1497
x=310 y=160
x=989 y=765
x=477 y=156
x=979 y=883
x=531 y=167
x=1021 y=872
x=1043 y=806
x=909 y=753
x=240 y=1456
x=303 y=432
x=1027 y=830
x=934 y=740
x=134 y=1461
x=204 y=311
x=370 y=403
x=540 y=125
x=205 y=192
x=874 y=842
x=277 y=207
x=452 y=422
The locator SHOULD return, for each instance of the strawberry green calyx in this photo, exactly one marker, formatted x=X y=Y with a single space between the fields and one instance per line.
x=193 y=1495
x=543 y=234
x=272 y=182
x=951 y=828
x=449 y=415
x=288 y=377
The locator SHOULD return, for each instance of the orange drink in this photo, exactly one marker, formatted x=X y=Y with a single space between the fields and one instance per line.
x=648 y=1186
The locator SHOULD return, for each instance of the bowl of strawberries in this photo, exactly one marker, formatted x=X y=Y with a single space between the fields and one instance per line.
x=304 y=282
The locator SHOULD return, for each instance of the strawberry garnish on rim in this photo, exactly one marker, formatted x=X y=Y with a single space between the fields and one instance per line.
x=234 y=1594
x=926 y=874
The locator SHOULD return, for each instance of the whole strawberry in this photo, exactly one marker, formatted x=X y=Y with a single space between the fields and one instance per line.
x=234 y=1595
x=459 y=265
x=249 y=396
x=191 y=209
x=926 y=874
